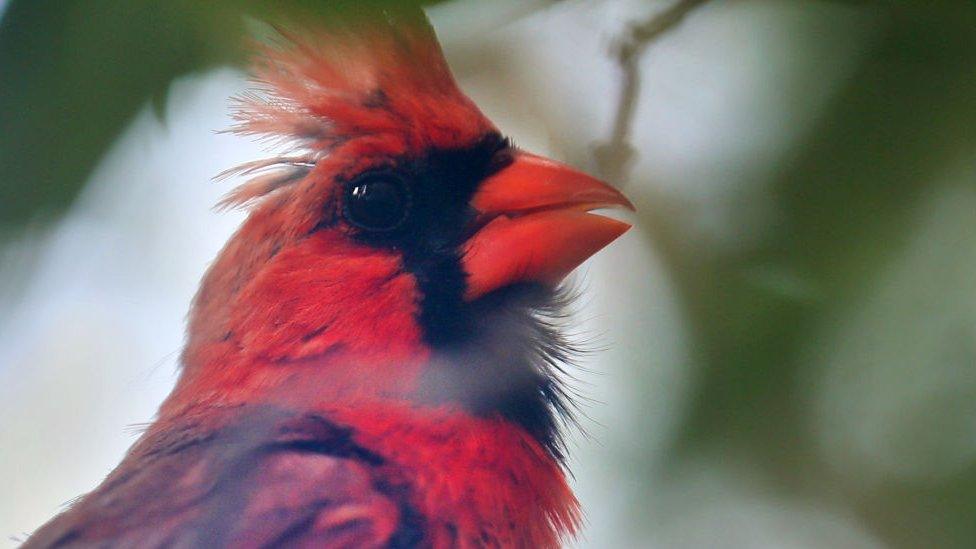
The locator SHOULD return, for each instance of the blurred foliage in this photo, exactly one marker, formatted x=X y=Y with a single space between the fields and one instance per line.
x=845 y=199
x=847 y=191
x=75 y=72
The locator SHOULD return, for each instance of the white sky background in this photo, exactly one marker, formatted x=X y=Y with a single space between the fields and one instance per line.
x=90 y=346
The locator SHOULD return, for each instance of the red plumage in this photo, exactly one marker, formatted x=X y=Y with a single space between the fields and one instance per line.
x=352 y=384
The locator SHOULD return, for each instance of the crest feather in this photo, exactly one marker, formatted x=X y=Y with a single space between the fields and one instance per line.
x=354 y=76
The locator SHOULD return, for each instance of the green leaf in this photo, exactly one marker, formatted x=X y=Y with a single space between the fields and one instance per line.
x=75 y=72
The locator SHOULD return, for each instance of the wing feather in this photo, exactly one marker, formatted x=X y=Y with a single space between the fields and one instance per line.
x=269 y=479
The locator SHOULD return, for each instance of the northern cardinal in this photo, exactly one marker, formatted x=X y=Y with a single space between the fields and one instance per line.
x=371 y=360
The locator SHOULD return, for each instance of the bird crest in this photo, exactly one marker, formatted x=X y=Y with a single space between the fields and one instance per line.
x=317 y=88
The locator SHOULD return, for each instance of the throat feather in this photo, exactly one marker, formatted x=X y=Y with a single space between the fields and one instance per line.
x=504 y=355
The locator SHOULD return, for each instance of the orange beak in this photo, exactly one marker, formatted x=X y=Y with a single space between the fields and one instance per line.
x=535 y=224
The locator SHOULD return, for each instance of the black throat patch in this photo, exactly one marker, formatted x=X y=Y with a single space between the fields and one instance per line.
x=508 y=358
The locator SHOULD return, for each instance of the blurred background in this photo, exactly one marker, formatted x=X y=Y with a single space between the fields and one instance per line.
x=790 y=327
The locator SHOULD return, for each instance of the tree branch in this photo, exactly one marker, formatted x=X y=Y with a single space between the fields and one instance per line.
x=615 y=156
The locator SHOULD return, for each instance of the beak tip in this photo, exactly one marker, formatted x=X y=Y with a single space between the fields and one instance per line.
x=615 y=228
x=620 y=199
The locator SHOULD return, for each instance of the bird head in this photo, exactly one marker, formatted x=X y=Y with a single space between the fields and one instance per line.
x=404 y=234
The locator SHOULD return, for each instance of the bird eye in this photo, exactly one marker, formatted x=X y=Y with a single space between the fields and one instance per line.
x=377 y=203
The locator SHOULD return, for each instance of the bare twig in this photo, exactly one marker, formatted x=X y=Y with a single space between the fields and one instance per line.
x=614 y=156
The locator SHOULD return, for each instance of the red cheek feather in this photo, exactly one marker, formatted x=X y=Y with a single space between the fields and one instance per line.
x=327 y=304
x=327 y=295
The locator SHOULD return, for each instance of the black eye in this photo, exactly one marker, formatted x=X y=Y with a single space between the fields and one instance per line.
x=377 y=203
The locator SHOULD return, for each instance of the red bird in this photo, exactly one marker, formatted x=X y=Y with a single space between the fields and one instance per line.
x=371 y=360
